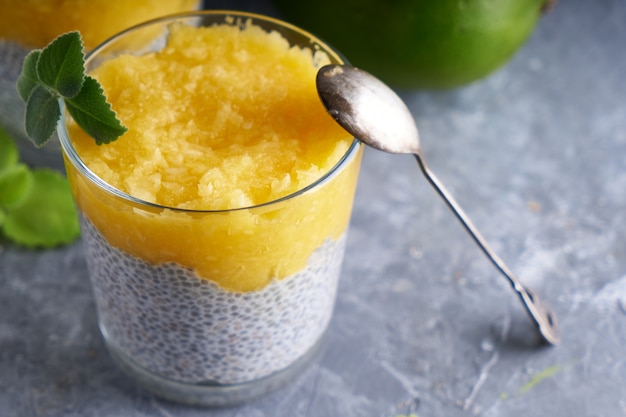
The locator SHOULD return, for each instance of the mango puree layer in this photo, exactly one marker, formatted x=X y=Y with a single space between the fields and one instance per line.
x=220 y=119
x=35 y=23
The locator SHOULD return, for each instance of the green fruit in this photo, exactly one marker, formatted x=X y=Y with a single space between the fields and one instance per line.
x=420 y=43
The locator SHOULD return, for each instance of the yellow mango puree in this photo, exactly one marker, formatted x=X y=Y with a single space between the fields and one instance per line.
x=34 y=23
x=220 y=119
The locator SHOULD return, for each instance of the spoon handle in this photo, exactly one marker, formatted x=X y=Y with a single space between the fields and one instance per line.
x=543 y=317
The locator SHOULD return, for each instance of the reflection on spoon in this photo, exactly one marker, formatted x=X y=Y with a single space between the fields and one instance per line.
x=373 y=113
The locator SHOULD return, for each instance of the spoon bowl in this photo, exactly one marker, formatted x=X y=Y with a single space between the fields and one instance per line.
x=372 y=112
x=363 y=105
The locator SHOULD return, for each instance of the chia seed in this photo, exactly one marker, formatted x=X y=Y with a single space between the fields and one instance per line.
x=186 y=328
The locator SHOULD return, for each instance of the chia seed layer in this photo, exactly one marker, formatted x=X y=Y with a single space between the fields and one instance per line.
x=186 y=328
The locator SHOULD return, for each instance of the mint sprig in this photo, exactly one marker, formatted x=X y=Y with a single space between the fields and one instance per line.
x=58 y=72
x=36 y=205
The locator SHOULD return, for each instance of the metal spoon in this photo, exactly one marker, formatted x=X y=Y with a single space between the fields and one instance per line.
x=373 y=113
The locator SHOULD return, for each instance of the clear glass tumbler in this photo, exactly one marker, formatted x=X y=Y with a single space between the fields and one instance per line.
x=182 y=336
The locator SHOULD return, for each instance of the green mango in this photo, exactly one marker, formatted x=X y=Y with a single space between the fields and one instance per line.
x=420 y=43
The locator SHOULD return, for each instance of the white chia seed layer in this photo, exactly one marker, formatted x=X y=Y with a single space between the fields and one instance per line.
x=186 y=328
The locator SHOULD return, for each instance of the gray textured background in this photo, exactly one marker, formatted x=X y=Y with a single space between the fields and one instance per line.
x=423 y=324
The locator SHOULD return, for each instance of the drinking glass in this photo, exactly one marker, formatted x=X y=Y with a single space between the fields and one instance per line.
x=194 y=339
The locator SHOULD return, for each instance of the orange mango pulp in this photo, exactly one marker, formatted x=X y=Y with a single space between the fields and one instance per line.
x=223 y=120
x=34 y=23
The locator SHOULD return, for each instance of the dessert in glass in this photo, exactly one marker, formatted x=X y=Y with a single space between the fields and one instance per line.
x=215 y=228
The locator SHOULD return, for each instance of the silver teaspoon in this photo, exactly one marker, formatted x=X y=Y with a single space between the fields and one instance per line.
x=372 y=112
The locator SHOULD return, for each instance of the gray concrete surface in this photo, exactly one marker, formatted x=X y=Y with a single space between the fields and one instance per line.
x=424 y=324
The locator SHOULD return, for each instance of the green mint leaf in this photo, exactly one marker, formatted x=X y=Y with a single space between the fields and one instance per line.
x=42 y=115
x=47 y=217
x=61 y=65
x=15 y=184
x=93 y=114
x=58 y=71
x=28 y=79
x=8 y=151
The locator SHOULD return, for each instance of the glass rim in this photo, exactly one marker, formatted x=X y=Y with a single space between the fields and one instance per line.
x=78 y=163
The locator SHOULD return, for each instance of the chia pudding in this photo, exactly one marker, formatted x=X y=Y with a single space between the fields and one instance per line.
x=173 y=323
x=215 y=226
